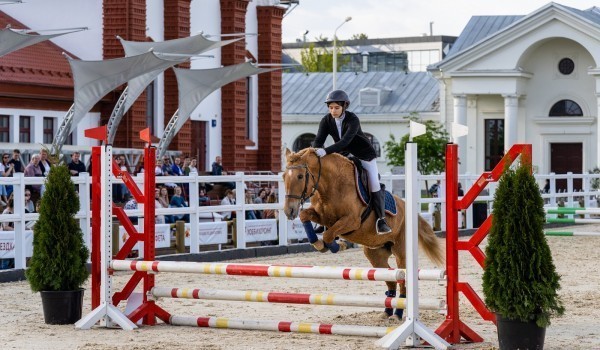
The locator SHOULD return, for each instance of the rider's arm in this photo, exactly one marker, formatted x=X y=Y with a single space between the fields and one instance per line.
x=321 y=134
x=341 y=145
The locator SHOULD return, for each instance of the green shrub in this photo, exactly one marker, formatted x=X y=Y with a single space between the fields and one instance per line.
x=520 y=280
x=59 y=253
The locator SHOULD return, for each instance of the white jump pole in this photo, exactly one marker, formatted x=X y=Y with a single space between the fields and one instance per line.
x=106 y=312
x=412 y=329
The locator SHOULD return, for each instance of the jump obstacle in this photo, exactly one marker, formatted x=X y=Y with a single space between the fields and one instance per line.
x=104 y=307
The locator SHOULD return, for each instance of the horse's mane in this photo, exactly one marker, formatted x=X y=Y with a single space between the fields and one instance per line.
x=306 y=152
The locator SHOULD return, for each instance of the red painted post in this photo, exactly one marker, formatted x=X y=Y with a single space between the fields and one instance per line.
x=96 y=234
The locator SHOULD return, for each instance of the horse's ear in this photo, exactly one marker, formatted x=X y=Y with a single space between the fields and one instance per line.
x=287 y=152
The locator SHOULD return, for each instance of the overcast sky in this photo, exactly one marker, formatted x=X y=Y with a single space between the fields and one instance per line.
x=399 y=18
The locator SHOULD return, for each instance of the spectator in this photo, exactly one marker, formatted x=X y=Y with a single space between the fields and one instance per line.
x=8 y=226
x=159 y=219
x=229 y=199
x=120 y=190
x=460 y=190
x=33 y=170
x=250 y=214
x=44 y=163
x=202 y=197
x=433 y=190
x=7 y=169
x=163 y=200
x=130 y=204
x=176 y=167
x=547 y=186
x=192 y=168
x=186 y=166
x=178 y=201
x=75 y=165
x=139 y=168
x=167 y=169
x=29 y=206
x=270 y=213
x=260 y=199
x=217 y=169
x=16 y=161
x=158 y=169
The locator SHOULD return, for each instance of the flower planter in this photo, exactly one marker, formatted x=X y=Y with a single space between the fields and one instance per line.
x=516 y=334
x=62 y=307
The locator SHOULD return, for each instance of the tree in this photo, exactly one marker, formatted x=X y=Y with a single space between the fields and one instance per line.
x=316 y=57
x=59 y=253
x=360 y=36
x=309 y=57
x=520 y=281
x=431 y=148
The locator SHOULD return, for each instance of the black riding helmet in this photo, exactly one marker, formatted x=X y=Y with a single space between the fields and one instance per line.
x=338 y=96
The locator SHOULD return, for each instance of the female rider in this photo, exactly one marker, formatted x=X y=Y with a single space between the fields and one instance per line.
x=344 y=128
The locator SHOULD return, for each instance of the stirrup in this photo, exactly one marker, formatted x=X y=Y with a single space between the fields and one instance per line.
x=385 y=228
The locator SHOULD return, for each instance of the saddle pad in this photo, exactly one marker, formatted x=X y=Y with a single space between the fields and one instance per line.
x=364 y=195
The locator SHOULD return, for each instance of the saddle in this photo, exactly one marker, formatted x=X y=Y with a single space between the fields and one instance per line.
x=364 y=192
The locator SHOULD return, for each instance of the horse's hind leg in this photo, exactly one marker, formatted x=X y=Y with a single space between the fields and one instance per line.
x=400 y=255
x=378 y=257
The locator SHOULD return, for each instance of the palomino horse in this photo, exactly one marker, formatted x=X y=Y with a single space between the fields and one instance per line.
x=330 y=184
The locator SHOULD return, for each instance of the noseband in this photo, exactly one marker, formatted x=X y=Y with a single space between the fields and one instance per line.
x=303 y=197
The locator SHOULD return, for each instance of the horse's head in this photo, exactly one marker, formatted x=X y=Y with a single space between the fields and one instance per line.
x=300 y=181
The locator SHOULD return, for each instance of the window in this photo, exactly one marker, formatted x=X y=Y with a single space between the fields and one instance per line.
x=4 y=128
x=566 y=108
x=48 y=130
x=24 y=129
x=494 y=142
x=566 y=66
x=375 y=144
x=150 y=112
x=303 y=141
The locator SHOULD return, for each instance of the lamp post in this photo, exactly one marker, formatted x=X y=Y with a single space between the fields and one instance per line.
x=335 y=49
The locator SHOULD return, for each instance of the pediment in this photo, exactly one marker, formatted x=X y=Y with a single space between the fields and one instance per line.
x=502 y=50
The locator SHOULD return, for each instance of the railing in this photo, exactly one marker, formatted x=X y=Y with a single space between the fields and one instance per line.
x=18 y=245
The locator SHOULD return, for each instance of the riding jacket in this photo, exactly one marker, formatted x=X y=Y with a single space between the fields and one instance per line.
x=353 y=140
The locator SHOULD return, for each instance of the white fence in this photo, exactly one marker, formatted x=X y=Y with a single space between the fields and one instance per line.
x=17 y=243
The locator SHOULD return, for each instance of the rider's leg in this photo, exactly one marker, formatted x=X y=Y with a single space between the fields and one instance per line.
x=377 y=195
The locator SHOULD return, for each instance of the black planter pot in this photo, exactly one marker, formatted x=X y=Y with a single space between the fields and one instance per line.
x=515 y=334
x=62 y=307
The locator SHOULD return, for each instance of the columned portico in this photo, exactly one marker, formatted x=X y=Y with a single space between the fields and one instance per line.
x=460 y=117
x=511 y=114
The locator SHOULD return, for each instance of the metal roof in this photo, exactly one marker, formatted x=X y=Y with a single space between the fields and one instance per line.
x=304 y=93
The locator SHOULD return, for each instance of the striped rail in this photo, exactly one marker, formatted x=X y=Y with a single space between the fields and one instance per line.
x=280 y=326
x=572 y=221
x=294 y=298
x=570 y=233
x=570 y=210
x=317 y=272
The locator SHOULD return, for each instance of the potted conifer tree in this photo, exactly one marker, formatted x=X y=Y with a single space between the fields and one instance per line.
x=58 y=266
x=520 y=281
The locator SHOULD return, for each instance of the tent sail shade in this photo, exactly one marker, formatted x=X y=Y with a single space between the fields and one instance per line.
x=94 y=79
x=11 y=40
x=196 y=84
x=192 y=45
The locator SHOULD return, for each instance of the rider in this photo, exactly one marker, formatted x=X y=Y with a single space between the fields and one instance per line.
x=344 y=128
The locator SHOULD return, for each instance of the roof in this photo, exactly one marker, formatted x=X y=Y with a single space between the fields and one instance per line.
x=39 y=64
x=482 y=28
x=304 y=93
x=378 y=41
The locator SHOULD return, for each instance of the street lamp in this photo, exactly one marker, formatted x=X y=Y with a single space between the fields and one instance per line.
x=335 y=48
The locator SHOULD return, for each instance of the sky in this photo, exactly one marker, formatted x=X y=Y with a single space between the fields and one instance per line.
x=400 y=18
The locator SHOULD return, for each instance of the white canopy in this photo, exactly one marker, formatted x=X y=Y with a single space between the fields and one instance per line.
x=11 y=40
x=94 y=79
x=192 y=45
x=196 y=84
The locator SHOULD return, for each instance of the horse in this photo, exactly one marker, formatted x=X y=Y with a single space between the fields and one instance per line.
x=329 y=182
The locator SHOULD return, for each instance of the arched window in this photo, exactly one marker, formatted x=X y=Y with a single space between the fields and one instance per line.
x=566 y=108
x=375 y=144
x=303 y=141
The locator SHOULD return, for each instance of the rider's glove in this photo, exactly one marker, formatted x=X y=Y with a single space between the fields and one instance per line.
x=320 y=152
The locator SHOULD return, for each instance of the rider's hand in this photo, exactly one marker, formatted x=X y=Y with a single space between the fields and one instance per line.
x=320 y=152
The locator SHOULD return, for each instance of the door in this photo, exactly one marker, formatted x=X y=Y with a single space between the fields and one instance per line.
x=565 y=157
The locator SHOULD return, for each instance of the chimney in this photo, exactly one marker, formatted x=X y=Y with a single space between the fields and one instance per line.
x=365 y=61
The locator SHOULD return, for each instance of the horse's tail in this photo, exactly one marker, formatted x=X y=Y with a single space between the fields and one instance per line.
x=430 y=243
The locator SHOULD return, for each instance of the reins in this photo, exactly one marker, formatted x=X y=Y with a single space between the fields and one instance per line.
x=303 y=197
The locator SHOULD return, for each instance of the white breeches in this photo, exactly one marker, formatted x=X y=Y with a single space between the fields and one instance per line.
x=372 y=173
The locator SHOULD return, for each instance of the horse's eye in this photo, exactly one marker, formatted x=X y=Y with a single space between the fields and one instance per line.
x=300 y=177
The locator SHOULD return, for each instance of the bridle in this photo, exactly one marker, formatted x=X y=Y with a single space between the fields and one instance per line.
x=303 y=197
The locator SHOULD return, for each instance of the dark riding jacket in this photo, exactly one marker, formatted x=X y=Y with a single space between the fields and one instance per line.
x=353 y=139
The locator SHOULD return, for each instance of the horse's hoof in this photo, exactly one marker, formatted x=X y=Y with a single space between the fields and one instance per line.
x=343 y=245
x=320 y=246
x=394 y=318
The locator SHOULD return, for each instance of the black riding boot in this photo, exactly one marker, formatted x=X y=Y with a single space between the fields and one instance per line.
x=379 y=207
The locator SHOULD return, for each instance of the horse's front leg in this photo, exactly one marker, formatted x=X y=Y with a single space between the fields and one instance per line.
x=307 y=216
x=344 y=225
